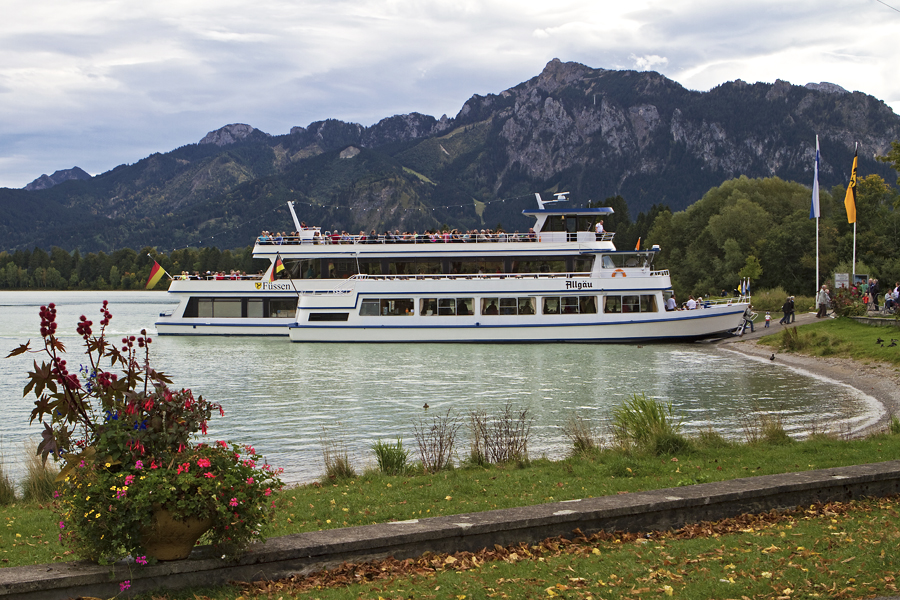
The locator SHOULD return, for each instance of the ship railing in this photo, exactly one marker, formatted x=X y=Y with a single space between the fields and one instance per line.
x=327 y=239
x=726 y=301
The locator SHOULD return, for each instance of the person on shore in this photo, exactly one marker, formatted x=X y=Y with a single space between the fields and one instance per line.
x=874 y=290
x=822 y=302
x=786 y=309
x=793 y=310
x=768 y=319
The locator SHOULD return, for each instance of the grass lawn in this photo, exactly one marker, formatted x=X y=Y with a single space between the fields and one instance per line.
x=840 y=337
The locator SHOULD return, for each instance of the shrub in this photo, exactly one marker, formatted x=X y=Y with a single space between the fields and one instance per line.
x=7 y=487
x=708 y=438
x=437 y=441
x=393 y=459
x=502 y=438
x=765 y=428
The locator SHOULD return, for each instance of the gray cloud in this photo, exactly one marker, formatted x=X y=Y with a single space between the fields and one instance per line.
x=99 y=84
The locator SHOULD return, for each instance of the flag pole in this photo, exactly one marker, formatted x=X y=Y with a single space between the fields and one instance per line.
x=815 y=210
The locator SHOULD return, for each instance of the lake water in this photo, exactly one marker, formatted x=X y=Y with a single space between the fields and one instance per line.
x=281 y=396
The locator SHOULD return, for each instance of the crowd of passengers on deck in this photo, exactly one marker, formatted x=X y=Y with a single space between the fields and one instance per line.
x=396 y=237
x=218 y=275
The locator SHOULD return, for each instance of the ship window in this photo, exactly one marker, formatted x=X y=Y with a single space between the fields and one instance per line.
x=526 y=306
x=369 y=307
x=648 y=304
x=551 y=306
x=255 y=309
x=569 y=305
x=328 y=316
x=587 y=305
x=447 y=306
x=489 y=306
x=612 y=304
x=282 y=308
x=630 y=304
x=396 y=307
x=508 y=306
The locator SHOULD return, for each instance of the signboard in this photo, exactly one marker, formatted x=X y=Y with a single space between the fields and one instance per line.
x=842 y=280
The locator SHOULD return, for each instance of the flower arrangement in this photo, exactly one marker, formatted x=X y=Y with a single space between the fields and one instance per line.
x=128 y=446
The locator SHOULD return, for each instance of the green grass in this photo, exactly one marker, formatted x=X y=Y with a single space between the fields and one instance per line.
x=841 y=338
x=376 y=498
x=822 y=551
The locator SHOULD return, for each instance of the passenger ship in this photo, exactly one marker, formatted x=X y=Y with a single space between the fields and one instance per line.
x=562 y=240
x=621 y=298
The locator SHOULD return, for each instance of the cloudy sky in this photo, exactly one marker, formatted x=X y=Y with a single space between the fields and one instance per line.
x=98 y=83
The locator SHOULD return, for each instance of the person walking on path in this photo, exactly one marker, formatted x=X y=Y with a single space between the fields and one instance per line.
x=786 y=309
x=793 y=315
x=822 y=302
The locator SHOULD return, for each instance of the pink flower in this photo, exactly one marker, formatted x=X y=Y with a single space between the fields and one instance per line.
x=129 y=479
x=124 y=585
x=250 y=480
x=138 y=465
x=62 y=525
x=268 y=492
x=233 y=502
x=141 y=560
x=222 y=444
x=209 y=475
x=203 y=462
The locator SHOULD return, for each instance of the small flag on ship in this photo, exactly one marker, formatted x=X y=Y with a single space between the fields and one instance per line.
x=156 y=274
x=278 y=267
x=638 y=245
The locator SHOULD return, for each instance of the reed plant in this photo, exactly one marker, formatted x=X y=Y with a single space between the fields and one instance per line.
x=765 y=428
x=335 y=456
x=436 y=441
x=7 y=487
x=499 y=439
x=392 y=459
x=647 y=425
x=40 y=476
x=584 y=437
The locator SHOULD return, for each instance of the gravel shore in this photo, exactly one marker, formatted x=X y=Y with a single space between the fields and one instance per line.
x=879 y=380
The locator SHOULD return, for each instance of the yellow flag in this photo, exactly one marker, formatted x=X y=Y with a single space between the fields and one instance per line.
x=850 y=198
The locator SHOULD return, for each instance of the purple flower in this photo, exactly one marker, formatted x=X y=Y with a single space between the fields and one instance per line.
x=138 y=465
x=141 y=560
x=124 y=585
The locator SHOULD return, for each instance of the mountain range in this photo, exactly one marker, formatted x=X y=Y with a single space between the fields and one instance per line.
x=596 y=133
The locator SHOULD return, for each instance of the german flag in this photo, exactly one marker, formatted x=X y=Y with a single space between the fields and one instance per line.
x=278 y=268
x=156 y=274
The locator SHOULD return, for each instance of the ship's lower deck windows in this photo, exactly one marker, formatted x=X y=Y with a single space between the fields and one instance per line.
x=240 y=308
x=630 y=304
x=387 y=307
x=570 y=305
x=446 y=306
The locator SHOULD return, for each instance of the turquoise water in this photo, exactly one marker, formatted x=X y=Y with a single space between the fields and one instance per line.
x=284 y=397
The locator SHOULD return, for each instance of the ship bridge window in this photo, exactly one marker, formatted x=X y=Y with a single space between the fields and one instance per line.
x=630 y=304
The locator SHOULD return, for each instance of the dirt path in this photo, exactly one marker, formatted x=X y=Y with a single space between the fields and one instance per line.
x=879 y=380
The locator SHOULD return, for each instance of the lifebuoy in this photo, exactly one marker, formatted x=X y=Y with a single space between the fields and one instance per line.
x=619 y=271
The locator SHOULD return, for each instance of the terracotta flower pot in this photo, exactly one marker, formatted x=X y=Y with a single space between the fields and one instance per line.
x=167 y=538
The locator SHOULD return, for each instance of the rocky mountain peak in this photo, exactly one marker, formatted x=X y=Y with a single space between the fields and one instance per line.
x=828 y=88
x=230 y=134
x=48 y=181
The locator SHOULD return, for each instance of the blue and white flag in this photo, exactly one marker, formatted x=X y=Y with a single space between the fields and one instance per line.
x=814 y=209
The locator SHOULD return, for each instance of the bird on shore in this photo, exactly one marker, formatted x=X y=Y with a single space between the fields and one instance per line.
x=772 y=357
x=426 y=406
x=879 y=341
x=892 y=344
